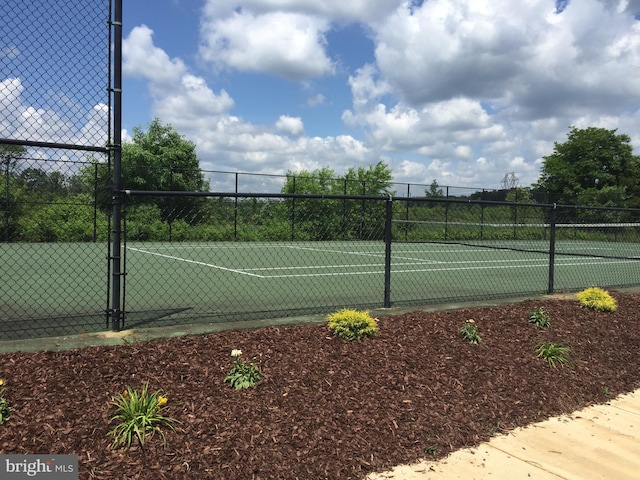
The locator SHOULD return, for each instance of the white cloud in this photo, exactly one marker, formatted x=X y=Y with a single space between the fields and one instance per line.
x=181 y=98
x=226 y=142
x=462 y=91
x=521 y=55
x=315 y=100
x=290 y=125
x=11 y=52
x=369 y=11
x=290 y=45
x=142 y=59
x=21 y=121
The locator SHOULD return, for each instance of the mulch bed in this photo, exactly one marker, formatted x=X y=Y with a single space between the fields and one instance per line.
x=326 y=408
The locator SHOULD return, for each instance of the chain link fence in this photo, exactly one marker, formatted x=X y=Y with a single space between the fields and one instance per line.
x=226 y=257
x=55 y=126
x=81 y=253
x=221 y=257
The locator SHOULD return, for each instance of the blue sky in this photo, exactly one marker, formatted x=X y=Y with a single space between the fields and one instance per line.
x=461 y=92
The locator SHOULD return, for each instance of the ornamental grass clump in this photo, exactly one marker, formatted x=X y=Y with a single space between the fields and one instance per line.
x=553 y=353
x=597 y=299
x=352 y=324
x=243 y=374
x=539 y=317
x=5 y=409
x=140 y=416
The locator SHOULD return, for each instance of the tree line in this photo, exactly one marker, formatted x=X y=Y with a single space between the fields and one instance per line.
x=593 y=167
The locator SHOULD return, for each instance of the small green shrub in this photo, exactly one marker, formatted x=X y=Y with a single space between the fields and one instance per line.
x=553 y=353
x=597 y=299
x=431 y=450
x=139 y=414
x=5 y=409
x=469 y=332
x=539 y=317
x=352 y=324
x=242 y=374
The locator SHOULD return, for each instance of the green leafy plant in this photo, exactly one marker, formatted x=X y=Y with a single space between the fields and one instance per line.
x=469 y=332
x=139 y=414
x=5 y=409
x=597 y=299
x=539 y=317
x=553 y=353
x=242 y=374
x=431 y=450
x=352 y=324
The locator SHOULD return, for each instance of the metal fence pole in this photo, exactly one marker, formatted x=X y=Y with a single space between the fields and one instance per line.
x=7 y=199
x=552 y=247
x=387 y=252
x=116 y=271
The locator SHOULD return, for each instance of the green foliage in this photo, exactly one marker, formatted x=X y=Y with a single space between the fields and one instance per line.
x=597 y=299
x=242 y=374
x=339 y=219
x=352 y=324
x=469 y=332
x=139 y=414
x=431 y=450
x=539 y=317
x=61 y=222
x=5 y=409
x=553 y=353
x=434 y=190
x=9 y=156
x=591 y=159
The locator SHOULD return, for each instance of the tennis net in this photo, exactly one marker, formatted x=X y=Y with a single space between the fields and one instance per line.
x=615 y=240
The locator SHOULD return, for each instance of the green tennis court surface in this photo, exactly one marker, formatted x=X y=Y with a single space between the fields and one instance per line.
x=62 y=288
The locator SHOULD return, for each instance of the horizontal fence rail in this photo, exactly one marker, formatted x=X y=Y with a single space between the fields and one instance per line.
x=225 y=257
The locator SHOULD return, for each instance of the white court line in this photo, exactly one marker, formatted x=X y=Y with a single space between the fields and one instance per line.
x=345 y=252
x=442 y=269
x=186 y=260
x=376 y=265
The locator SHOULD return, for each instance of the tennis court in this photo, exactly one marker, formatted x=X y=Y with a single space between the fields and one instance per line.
x=231 y=279
x=62 y=288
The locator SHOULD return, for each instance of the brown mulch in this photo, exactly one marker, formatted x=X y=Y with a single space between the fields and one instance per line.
x=326 y=408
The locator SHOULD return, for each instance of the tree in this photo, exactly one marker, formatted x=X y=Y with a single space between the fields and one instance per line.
x=340 y=218
x=434 y=190
x=43 y=184
x=159 y=159
x=591 y=162
x=9 y=156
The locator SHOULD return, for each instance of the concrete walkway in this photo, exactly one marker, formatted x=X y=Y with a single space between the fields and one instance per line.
x=598 y=442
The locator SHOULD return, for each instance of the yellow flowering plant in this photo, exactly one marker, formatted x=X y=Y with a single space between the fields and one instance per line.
x=597 y=299
x=5 y=409
x=352 y=324
x=139 y=414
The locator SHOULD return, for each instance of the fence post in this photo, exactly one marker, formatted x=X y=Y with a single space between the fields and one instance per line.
x=235 y=212
x=7 y=199
x=116 y=306
x=552 y=247
x=446 y=217
x=387 y=252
